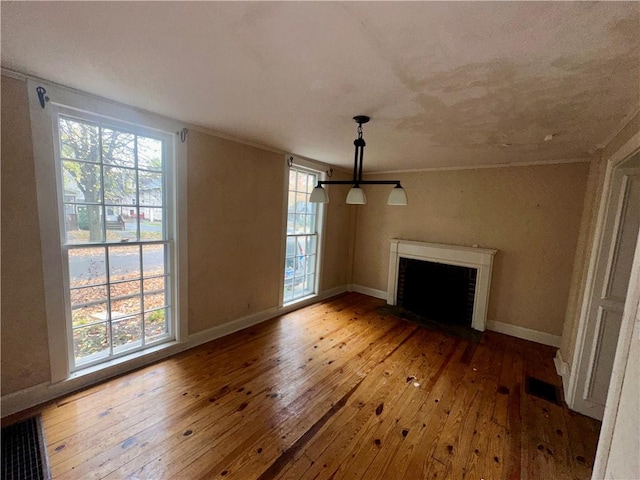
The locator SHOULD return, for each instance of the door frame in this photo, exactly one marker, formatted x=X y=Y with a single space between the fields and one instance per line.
x=581 y=350
x=631 y=308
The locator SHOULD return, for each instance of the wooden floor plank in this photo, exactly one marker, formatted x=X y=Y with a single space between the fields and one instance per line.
x=236 y=409
x=334 y=390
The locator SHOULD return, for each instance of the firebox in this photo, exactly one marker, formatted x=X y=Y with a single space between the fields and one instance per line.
x=436 y=291
x=443 y=283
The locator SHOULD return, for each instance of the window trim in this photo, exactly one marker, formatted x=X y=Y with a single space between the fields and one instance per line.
x=43 y=128
x=315 y=168
x=59 y=112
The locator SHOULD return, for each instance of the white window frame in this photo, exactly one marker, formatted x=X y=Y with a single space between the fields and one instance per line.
x=311 y=167
x=169 y=184
x=44 y=127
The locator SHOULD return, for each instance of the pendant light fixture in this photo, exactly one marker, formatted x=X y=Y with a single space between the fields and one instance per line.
x=356 y=195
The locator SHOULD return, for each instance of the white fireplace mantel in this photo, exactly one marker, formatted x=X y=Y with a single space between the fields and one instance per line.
x=472 y=257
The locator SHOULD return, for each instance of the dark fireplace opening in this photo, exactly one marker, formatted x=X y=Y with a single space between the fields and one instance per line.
x=436 y=291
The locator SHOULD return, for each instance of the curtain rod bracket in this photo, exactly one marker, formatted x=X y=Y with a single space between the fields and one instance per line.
x=42 y=96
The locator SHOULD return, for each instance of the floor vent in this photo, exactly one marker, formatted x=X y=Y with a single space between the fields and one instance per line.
x=541 y=389
x=23 y=451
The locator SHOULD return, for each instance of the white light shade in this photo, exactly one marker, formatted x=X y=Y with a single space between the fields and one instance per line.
x=397 y=196
x=356 y=196
x=319 y=195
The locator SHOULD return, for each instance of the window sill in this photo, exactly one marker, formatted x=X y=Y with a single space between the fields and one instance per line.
x=300 y=302
x=126 y=363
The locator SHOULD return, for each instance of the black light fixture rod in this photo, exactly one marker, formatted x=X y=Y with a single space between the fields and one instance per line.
x=355 y=163
x=361 y=182
x=361 y=159
x=359 y=143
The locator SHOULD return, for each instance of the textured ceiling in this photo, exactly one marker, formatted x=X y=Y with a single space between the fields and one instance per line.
x=447 y=84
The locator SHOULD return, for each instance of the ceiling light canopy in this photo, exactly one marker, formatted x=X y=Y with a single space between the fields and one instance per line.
x=356 y=195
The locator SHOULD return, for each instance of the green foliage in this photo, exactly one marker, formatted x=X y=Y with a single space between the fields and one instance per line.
x=156 y=316
x=83 y=218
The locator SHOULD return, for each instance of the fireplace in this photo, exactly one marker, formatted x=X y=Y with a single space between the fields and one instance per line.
x=437 y=291
x=444 y=283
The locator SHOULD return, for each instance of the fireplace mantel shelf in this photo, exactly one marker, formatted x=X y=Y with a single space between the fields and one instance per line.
x=444 y=246
x=472 y=257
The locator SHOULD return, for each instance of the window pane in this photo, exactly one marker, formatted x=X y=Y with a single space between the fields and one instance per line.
x=91 y=340
x=288 y=290
x=288 y=265
x=151 y=224
x=78 y=140
x=149 y=153
x=125 y=289
x=301 y=183
x=81 y=182
x=120 y=227
x=301 y=202
x=310 y=244
x=292 y=180
x=311 y=183
x=124 y=263
x=153 y=260
x=154 y=300
x=311 y=264
x=150 y=188
x=298 y=287
x=89 y=294
x=154 y=284
x=91 y=314
x=119 y=185
x=312 y=208
x=126 y=306
x=310 y=224
x=291 y=205
x=309 y=284
x=87 y=266
x=127 y=331
x=87 y=227
x=300 y=223
x=118 y=147
x=155 y=324
x=291 y=246
x=299 y=266
x=83 y=223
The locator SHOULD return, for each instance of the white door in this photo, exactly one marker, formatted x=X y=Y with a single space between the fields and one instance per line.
x=612 y=273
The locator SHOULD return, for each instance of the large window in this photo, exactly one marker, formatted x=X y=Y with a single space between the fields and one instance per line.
x=300 y=279
x=117 y=236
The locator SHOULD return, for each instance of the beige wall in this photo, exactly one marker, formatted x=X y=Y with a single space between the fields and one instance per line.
x=336 y=265
x=530 y=214
x=586 y=237
x=25 y=351
x=235 y=228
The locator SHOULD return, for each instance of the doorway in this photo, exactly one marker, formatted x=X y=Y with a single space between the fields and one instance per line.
x=604 y=304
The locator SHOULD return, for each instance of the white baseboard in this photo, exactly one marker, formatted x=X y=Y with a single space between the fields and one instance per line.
x=372 y=292
x=524 y=333
x=564 y=371
x=44 y=392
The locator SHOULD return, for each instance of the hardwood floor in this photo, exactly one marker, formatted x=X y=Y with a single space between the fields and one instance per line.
x=335 y=390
